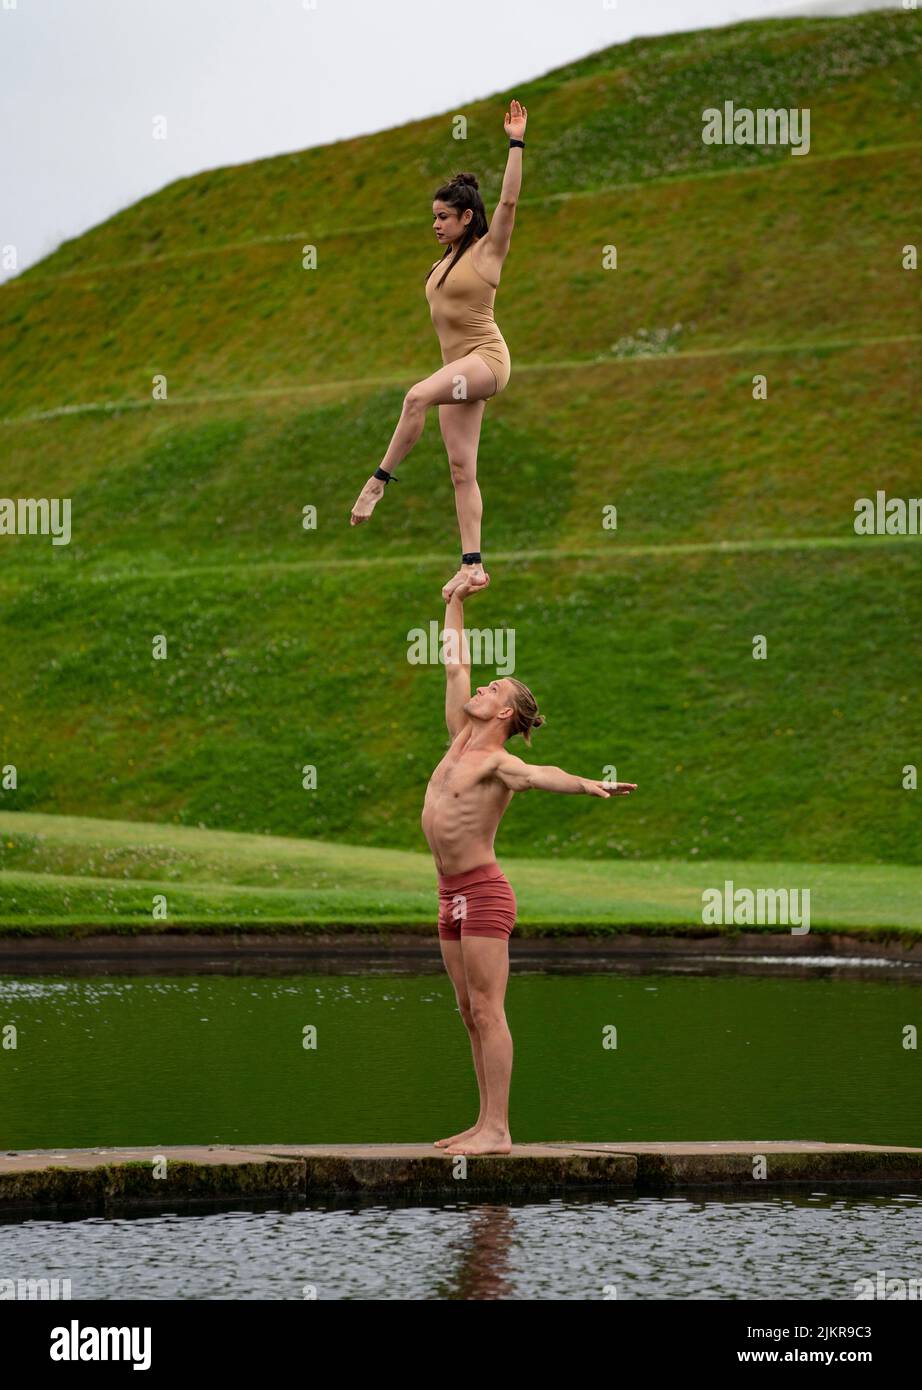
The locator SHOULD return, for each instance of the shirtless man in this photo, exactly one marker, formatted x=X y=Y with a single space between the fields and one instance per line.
x=467 y=795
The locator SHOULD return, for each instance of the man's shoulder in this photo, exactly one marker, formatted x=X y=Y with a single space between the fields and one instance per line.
x=498 y=759
x=488 y=760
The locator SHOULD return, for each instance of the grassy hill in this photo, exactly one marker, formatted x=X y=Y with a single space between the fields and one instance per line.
x=68 y=876
x=735 y=516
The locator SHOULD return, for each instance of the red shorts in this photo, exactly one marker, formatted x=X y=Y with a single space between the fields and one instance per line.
x=479 y=902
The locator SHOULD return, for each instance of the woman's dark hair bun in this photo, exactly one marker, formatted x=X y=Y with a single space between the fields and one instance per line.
x=469 y=179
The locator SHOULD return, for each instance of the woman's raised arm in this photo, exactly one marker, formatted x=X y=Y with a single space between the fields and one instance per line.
x=495 y=245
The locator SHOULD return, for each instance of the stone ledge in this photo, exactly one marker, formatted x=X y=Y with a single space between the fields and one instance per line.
x=96 y=1178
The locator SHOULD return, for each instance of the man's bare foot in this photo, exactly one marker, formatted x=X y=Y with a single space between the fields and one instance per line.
x=471 y=576
x=485 y=1141
x=367 y=500
x=465 y=1134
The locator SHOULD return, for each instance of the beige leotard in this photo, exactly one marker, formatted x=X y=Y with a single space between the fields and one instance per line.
x=462 y=313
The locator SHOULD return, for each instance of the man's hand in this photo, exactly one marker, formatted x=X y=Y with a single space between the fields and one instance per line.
x=466 y=588
x=607 y=789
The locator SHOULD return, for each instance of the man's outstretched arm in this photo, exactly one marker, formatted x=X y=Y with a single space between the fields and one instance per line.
x=520 y=776
x=457 y=665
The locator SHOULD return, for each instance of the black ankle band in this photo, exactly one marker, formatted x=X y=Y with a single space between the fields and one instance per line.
x=471 y=558
x=385 y=477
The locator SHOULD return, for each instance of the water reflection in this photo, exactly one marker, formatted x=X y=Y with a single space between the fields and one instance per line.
x=811 y=1245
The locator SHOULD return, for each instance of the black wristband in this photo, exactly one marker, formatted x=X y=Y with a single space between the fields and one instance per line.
x=471 y=558
x=385 y=477
x=521 y=143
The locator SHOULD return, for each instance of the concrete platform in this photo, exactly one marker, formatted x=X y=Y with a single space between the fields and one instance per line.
x=98 y=1178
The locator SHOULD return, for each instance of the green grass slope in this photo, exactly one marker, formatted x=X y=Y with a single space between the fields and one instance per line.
x=289 y=647
x=798 y=756
x=65 y=875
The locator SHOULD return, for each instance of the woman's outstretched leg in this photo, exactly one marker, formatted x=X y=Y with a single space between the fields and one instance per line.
x=468 y=379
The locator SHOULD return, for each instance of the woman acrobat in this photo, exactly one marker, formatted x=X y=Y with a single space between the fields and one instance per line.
x=461 y=288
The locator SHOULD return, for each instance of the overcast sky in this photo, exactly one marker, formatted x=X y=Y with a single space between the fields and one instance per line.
x=82 y=80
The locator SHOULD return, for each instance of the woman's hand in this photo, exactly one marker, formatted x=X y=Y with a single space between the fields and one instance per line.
x=514 y=124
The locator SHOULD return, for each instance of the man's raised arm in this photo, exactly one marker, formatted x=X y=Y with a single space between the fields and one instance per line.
x=520 y=776
x=457 y=664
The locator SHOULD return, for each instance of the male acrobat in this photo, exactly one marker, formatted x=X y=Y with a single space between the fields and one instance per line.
x=467 y=795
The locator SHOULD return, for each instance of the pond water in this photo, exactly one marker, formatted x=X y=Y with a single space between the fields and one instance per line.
x=179 y=1059
x=813 y=1245
x=175 y=1058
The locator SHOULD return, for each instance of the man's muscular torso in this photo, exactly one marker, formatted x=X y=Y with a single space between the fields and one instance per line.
x=464 y=805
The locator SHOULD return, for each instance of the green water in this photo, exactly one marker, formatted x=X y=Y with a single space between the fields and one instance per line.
x=200 y=1059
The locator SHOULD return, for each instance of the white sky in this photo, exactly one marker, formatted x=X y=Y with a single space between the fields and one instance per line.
x=82 y=80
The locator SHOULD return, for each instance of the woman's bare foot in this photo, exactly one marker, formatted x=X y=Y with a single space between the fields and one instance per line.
x=471 y=576
x=485 y=1141
x=367 y=500
x=465 y=1134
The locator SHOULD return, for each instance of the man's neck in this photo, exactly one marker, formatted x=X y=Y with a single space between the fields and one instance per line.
x=487 y=736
